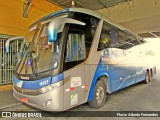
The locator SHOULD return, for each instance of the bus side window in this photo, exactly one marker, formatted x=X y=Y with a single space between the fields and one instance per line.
x=126 y=40
x=75 y=50
x=104 y=41
x=75 y=47
x=112 y=37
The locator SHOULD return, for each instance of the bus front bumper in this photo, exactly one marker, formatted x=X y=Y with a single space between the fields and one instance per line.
x=50 y=101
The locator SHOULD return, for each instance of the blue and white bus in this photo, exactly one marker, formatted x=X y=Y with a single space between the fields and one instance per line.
x=76 y=56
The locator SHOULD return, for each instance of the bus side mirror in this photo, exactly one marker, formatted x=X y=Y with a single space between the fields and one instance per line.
x=52 y=32
x=7 y=45
x=54 y=27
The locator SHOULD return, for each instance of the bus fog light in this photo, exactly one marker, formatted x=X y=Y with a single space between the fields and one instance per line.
x=49 y=88
x=43 y=90
x=48 y=102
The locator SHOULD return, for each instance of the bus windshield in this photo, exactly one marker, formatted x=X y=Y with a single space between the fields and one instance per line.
x=40 y=55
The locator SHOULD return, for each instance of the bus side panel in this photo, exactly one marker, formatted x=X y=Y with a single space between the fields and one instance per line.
x=100 y=71
x=140 y=72
x=73 y=87
x=88 y=70
x=114 y=73
x=119 y=77
x=117 y=69
x=113 y=66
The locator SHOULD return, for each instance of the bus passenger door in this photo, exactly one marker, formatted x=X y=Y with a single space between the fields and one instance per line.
x=74 y=70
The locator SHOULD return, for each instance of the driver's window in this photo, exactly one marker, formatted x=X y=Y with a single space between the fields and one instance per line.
x=76 y=50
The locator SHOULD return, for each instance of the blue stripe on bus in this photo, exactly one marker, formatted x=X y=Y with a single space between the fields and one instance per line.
x=56 y=13
x=36 y=84
x=57 y=78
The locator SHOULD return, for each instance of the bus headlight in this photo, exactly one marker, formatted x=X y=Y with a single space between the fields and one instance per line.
x=50 y=87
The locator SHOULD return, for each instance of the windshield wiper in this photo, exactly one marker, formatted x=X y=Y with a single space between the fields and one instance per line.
x=32 y=66
x=22 y=64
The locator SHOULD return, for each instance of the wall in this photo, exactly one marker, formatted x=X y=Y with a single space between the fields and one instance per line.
x=11 y=20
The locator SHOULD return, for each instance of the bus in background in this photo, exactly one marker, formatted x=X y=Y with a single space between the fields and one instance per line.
x=76 y=56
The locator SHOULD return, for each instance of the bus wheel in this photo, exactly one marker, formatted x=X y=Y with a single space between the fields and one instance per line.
x=99 y=97
x=147 y=78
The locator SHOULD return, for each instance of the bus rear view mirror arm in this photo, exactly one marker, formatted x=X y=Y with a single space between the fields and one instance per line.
x=53 y=27
x=7 y=45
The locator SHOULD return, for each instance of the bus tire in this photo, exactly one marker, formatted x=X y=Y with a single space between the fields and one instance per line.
x=150 y=75
x=99 y=97
x=147 y=78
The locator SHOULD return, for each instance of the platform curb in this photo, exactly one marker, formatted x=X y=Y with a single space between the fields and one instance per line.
x=6 y=87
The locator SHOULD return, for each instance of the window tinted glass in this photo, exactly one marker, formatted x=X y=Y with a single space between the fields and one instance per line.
x=75 y=48
x=105 y=37
x=112 y=37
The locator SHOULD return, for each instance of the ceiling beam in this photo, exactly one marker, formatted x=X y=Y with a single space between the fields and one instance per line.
x=102 y=3
x=54 y=2
x=80 y=4
x=62 y=4
x=156 y=2
x=65 y=2
x=153 y=34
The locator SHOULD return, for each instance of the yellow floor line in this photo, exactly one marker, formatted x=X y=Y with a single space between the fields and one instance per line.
x=6 y=87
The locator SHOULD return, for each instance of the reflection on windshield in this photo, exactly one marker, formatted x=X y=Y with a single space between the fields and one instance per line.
x=30 y=34
x=41 y=55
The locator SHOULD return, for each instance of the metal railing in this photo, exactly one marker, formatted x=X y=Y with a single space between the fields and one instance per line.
x=8 y=61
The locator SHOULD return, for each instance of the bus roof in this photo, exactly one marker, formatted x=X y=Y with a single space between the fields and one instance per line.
x=81 y=10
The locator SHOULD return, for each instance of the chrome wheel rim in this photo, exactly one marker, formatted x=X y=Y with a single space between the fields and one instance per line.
x=100 y=94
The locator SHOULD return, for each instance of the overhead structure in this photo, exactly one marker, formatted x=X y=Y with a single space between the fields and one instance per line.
x=140 y=16
x=3 y=36
x=150 y=35
x=26 y=7
x=90 y=4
